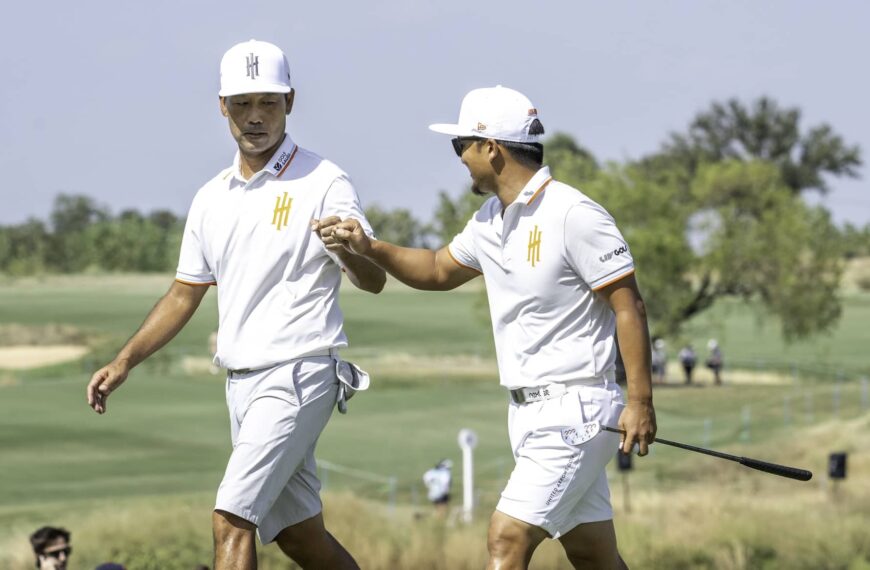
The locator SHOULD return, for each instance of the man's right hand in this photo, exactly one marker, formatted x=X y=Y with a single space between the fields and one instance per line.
x=338 y=235
x=105 y=381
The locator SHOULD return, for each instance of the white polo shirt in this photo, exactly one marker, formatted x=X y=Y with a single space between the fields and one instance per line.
x=542 y=262
x=277 y=283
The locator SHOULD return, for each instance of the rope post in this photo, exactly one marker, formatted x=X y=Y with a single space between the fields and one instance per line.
x=808 y=405
x=467 y=442
x=708 y=431
x=392 y=485
x=865 y=394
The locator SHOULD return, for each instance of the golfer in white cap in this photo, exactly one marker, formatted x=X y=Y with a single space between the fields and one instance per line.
x=252 y=232
x=560 y=282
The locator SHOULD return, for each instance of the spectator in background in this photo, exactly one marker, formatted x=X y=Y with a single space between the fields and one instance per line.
x=659 y=360
x=714 y=361
x=688 y=359
x=437 y=481
x=51 y=547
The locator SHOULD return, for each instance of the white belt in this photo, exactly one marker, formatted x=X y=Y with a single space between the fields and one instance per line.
x=556 y=389
x=312 y=354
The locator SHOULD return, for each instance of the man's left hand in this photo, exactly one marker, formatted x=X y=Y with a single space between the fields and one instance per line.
x=342 y=236
x=638 y=421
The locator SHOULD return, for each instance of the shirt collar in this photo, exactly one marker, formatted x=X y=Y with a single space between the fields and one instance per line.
x=277 y=164
x=534 y=187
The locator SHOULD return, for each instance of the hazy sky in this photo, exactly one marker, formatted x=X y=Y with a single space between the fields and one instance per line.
x=118 y=100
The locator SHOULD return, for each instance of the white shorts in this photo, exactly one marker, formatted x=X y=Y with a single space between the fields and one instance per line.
x=276 y=417
x=554 y=485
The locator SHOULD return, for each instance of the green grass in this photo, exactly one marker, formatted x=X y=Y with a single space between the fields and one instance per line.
x=750 y=339
x=166 y=434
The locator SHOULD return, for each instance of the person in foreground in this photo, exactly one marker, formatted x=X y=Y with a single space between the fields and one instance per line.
x=51 y=547
x=560 y=281
x=248 y=233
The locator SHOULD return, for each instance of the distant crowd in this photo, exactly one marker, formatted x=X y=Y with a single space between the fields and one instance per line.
x=688 y=360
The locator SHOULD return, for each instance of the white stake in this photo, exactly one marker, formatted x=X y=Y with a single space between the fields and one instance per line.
x=467 y=442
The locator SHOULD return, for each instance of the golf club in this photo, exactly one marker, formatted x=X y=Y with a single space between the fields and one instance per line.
x=773 y=468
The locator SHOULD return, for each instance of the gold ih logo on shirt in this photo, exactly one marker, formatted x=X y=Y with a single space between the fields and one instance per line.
x=534 y=255
x=282 y=211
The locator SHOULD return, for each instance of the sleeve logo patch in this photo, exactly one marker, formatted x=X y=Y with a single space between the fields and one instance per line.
x=611 y=254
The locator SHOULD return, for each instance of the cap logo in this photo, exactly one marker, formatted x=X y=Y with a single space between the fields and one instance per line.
x=533 y=112
x=253 y=65
x=481 y=127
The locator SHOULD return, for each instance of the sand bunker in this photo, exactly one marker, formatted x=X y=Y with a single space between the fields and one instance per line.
x=27 y=357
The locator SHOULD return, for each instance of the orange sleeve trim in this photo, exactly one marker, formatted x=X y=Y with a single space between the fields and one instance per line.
x=196 y=284
x=459 y=263
x=612 y=281
x=539 y=190
x=292 y=156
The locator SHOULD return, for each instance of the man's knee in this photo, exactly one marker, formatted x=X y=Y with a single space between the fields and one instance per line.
x=299 y=540
x=592 y=545
x=228 y=526
x=508 y=538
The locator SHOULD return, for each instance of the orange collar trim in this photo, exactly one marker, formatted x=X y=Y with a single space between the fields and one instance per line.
x=539 y=190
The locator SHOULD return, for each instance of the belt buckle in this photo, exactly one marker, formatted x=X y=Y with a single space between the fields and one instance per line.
x=517 y=396
x=536 y=393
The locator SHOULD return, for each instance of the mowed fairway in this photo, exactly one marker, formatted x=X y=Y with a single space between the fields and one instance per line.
x=166 y=434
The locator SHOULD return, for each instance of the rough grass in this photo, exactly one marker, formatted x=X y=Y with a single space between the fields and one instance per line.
x=716 y=517
x=137 y=485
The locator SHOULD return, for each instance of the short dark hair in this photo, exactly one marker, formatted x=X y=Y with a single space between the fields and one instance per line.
x=40 y=539
x=531 y=154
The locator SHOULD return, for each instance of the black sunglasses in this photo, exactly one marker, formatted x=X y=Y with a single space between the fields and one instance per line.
x=459 y=144
x=56 y=553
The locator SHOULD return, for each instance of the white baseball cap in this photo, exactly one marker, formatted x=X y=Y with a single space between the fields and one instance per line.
x=494 y=113
x=254 y=67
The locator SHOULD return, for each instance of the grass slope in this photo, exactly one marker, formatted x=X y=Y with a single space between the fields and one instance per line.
x=163 y=446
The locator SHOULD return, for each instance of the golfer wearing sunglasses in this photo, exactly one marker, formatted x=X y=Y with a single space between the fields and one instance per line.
x=560 y=282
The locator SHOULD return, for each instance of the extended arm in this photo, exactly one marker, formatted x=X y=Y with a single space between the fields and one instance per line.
x=415 y=267
x=362 y=273
x=638 y=419
x=168 y=316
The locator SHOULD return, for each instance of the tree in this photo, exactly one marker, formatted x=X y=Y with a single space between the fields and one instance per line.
x=764 y=131
x=71 y=216
x=574 y=161
x=452 y=215
x=73 y=213
x=856 y=242
x=23 y=248
x=732 y=228
x=396 y=226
